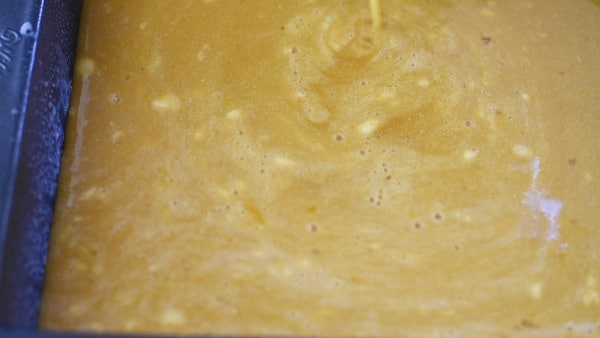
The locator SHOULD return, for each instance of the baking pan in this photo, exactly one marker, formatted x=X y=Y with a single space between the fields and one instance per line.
x=37 y=51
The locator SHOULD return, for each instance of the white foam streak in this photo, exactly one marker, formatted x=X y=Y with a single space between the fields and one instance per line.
x=539 y=204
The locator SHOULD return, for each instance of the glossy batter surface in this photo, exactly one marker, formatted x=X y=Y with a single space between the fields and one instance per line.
x=280 y=167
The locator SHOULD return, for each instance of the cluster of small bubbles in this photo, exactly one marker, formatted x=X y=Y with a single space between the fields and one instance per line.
x=386 y=171
x=261 y=165
x=377 y=199
x=388 y=150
